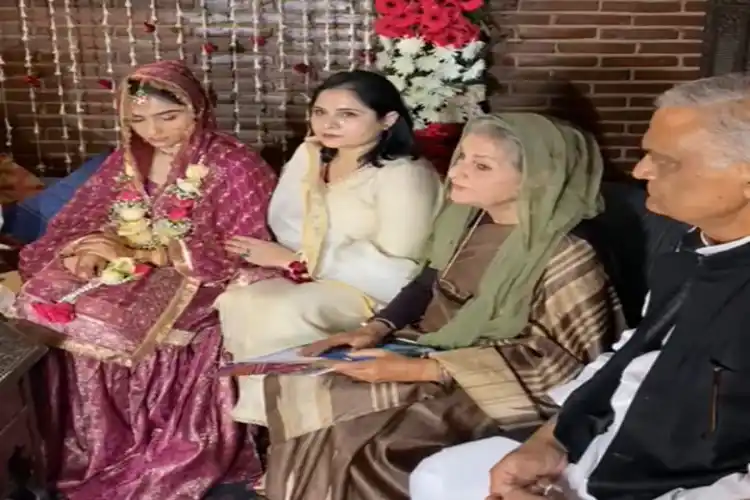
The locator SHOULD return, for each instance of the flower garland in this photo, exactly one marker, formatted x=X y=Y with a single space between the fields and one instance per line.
x=117 y=272
x=129 y=216
x=129 y=212
x=434 y=53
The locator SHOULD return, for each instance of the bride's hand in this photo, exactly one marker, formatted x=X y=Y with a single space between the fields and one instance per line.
x=260 y=252
x=85 y=267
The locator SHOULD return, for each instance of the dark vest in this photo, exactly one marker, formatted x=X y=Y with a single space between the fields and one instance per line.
x=689 y=423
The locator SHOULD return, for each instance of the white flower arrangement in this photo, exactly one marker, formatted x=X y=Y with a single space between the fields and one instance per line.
x=438 y=84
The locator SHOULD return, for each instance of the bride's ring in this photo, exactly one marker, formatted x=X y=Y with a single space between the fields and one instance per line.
x=246 y=254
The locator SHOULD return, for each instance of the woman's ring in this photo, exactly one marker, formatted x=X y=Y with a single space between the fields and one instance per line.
x=246 y=254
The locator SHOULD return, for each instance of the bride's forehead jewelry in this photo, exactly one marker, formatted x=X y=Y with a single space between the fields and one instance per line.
x=140 y=96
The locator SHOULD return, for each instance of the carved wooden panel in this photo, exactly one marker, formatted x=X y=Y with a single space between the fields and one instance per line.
x=726 y=45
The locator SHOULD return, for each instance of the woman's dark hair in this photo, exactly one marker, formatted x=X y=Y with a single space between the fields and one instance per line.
x=137 y=86
x=377 y=93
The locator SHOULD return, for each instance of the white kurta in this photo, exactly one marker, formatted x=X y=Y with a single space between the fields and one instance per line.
x=378 y=222
x=463 y=471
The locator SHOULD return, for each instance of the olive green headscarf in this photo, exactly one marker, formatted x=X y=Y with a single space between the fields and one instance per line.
x=561 y=176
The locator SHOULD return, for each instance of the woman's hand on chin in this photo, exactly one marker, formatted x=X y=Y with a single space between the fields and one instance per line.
x=260 y=252
x=85 y=267
x=389 y=367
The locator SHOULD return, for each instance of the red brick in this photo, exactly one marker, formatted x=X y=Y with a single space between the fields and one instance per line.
x=633 y=141
x=695 y=6
x=634 y=87
x=687 y=47
x=532 y=19
x=611 y=154
x=633 y=7
x=633 y=154
x=518 y=100
x=666 y=75
x=640 y=61
x=593 y=19
x=691 y=33
x=592 y=75
x=555 y=60
x=637 y=128
x=596 y=48
x=612 y=128
x=641 y=102
x=625 y=115
x=669 y=20
x=555 y=33
x=691 y=61
x=505 y=75
x=639 y=33
x=526 y=47
x=599 y=102
x=559 y=5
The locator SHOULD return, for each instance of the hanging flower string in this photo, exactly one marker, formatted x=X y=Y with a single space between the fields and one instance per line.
x=434 y=53
x=117 y=272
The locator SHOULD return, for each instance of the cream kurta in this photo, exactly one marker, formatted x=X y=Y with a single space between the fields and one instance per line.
x=362 y=237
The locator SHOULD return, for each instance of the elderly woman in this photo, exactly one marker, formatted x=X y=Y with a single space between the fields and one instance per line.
x=125 y=278
x=512 y=301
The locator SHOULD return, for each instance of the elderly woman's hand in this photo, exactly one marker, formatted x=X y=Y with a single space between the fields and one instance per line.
x=389 y=367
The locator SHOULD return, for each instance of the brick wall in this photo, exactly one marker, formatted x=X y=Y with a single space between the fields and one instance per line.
x=597 y=62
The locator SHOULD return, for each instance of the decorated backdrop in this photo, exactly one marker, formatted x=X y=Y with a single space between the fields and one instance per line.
x=60 y=61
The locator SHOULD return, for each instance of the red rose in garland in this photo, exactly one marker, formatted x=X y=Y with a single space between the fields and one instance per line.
x=390 y=7
x=459 y=34
x=471 y=5
x=409 y=18
x=466 y=32
x=385 y=26
x=436 y=17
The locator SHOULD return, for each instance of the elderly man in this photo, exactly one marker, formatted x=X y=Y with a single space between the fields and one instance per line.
x=667 y=415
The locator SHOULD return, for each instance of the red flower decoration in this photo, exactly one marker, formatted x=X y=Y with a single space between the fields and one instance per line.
x=178 y=213
x=471 y=5
x=60 y=313
x=260 y=40
x=458 y=35
x=390 y=7
x=301 y=68
x=32 y=80
x=184 y=203
x=106 y=84
x=210 y=48
x=410 y=17
x=297 y=272
x=149 y=27
x=142 y=270
x=436 y=18
x=129 y=196
x=437 y=142
x=384 y=26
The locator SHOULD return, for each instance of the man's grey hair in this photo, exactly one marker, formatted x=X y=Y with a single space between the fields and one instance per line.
x=728 y=120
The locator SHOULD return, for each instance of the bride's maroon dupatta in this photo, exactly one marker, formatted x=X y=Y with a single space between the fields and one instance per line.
x=125 y=322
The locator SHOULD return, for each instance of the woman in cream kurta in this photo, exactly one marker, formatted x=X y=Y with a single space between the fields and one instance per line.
x=361 y=236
